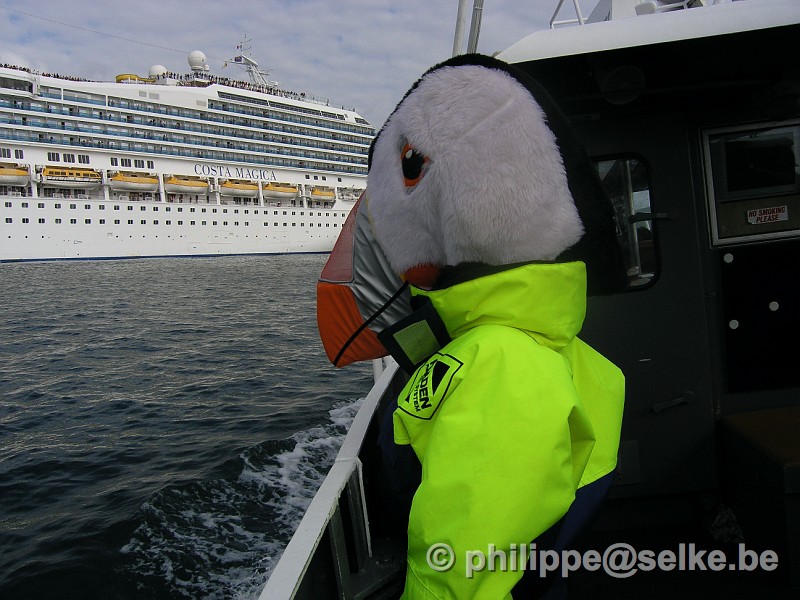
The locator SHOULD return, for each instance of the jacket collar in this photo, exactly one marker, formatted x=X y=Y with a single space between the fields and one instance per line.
x=546 y=300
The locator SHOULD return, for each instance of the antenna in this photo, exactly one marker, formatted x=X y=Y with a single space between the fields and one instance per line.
x=256 y=74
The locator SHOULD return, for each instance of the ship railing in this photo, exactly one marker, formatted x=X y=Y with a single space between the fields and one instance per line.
x=333 y=553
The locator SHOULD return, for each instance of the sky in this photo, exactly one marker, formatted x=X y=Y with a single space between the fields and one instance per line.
x=361 y=54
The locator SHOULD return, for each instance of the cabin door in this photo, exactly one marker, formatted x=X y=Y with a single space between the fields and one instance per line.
x=656 y=331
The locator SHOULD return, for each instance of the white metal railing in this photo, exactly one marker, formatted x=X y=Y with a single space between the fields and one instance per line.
x=293 y=565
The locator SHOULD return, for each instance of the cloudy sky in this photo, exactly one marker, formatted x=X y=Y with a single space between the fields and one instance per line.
x=361 y=54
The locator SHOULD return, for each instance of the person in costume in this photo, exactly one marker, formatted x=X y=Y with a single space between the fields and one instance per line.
x=491 y=224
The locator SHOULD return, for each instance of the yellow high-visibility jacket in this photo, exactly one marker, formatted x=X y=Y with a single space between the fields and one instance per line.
x=508 y=420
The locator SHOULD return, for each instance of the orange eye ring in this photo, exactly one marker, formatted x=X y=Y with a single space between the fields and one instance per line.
x=413 y=164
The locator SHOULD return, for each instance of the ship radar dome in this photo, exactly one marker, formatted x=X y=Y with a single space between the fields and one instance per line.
x=197 y=60
x=156 y=71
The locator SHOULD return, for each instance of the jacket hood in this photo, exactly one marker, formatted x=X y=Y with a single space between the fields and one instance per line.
x=546 y=300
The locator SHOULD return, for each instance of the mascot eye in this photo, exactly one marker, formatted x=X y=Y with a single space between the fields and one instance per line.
x=413 y=163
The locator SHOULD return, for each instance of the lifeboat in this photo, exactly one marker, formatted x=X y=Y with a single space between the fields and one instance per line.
x=134 y=182
x=238 y=187
x=70 y=178
x=323 y=194
x=184 y=185
x=14 y=175
x=279 y=191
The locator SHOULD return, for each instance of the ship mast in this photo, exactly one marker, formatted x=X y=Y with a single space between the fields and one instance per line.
x=257 y=75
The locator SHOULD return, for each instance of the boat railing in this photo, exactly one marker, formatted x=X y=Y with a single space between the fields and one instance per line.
x=578 y=20
x=333 y=553
x=607 y=10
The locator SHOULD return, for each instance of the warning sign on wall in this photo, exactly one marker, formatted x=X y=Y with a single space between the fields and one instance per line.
x=759 y=216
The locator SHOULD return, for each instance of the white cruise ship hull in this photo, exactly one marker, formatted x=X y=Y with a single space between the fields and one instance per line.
x=49 y=230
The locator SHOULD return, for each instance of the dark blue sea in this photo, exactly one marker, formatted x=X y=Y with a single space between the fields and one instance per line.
x=163 y=423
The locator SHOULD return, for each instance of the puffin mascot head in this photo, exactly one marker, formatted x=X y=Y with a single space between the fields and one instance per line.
x=475 y=170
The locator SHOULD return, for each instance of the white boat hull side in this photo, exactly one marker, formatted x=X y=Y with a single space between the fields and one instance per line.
x=158 y=229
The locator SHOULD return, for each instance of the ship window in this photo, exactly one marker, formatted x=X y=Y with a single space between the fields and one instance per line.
x=203 y=222
x=142 y=208
x=155 y=209
x=138 y=163
x=102 y=221
x=19 y=154
x=214 y=223
x=5 y=152
x=73 y=206
x=41 y=220
x=24 y=205
x=202 y=210
x=247 y=224
x=150 y=164
x=8 y=204
x=191 y=222
x=87 y=206
x=116 y=221
x=125 y=162
x=168 y=222
x=114 y=162
x=73 y=221
x=276 y=224
x=130 y=208
x=54 y=156
x=9 y=220
x=191 y=210
x=58 y=206
x=754 y=182
x=87 y=221
x=83 y=158
x=284 y=224
x=180 y=222
x=143 y=222
x=130 y=221
x=70 y=158
x=58 y=221
x=102 y=207
x=627 y=182
x=168 y=208
x=154 y=222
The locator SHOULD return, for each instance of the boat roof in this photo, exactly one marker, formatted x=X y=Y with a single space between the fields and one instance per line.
x=649 y=29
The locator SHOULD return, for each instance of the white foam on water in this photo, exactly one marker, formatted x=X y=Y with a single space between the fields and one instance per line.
x=222 y=538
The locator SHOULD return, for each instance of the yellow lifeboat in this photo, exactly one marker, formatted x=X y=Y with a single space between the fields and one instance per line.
x=279 y=191
x=134 y=182
x=14 y=175
x=238 y=187
x=65 y=177
x=184 y=185
x=322 y=194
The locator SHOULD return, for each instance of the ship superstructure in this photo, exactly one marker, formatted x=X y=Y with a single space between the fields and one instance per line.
x=171 y=165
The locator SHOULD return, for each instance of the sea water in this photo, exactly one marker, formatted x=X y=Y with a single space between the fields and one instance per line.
x=163 y=423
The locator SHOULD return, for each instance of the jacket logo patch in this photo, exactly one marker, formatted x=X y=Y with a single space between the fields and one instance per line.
x=430 y=386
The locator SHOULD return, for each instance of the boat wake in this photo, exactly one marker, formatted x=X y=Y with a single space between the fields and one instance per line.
x=222 y=538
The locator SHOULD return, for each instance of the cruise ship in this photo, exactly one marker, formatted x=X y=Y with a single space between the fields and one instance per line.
x=172 y=165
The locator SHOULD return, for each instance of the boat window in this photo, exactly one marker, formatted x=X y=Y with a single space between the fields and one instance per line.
x=627 y=182
x=753 y=178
